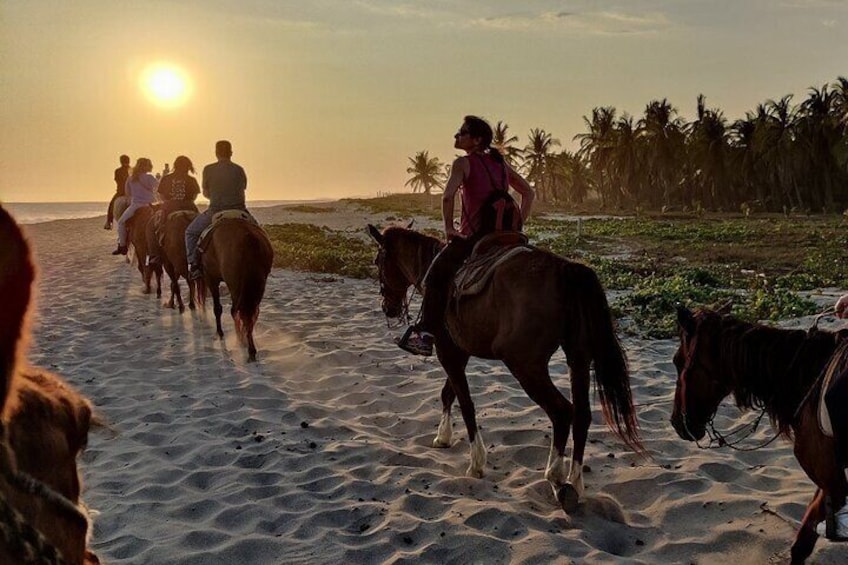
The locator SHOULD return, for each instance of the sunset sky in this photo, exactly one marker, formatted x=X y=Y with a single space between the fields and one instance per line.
x=328 y=98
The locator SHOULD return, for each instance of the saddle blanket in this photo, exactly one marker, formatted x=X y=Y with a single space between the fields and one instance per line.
x=475 y=274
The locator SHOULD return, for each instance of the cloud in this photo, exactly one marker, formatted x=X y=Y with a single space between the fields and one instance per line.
x=599 y=23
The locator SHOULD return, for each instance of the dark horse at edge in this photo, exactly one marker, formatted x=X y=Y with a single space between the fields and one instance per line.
x=535 y=303
x=767 y=368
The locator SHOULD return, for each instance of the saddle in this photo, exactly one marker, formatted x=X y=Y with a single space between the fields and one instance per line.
x=492 y=250
x=217 y=217
x=159 y=222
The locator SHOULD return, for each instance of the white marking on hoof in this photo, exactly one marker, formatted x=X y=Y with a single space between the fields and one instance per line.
x=445 y=434
x=575 y=477
x=555 y=472
x=478 y=457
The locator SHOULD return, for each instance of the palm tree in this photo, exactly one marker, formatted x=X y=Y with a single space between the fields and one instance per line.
x=708 y=156
x=597 y=146
x=536 y=157
x=661 y=132
x=427 y=173
x=503 y=142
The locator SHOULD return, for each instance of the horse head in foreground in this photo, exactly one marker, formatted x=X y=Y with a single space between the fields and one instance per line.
x=239 y=253
x=772 y=369
x=44 y=427
x=533 y=303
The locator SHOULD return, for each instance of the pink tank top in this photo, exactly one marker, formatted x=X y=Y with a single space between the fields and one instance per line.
x=476 y=188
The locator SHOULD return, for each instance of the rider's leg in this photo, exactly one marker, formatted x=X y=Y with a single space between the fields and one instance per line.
x=192 y=235
x=122 y=228
x=836 y=399
x=419 y=338
x=152 y=236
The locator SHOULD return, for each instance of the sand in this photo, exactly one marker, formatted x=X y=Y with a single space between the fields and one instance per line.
x=320 y=452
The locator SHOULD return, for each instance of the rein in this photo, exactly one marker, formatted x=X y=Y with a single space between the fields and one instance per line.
x=415 y=282
x=716 y=438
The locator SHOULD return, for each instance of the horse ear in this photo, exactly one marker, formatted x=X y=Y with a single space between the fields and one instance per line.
x=685 y=319
x=409 y=225
x=375 y=234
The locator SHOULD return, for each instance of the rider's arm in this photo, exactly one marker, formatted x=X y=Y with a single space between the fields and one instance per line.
x=459 y=170
x=523 y=188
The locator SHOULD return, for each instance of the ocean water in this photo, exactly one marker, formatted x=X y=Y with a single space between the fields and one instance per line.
x=38 y=212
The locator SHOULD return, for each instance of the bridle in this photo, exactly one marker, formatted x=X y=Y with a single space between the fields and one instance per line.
x=716 y=438
x=404 y=318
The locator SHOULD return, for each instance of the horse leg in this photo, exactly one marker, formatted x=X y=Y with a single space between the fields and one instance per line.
x=536 y=382
x=580 y=382
x=445 y=433
x=175 y=291
x=158 y=273
x=454 y=360
x=215 y=291
x=806 y=538
x=191 y=304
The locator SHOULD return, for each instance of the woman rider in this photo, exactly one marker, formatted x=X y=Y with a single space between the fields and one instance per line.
x=476 y=175
x=178 y=190
x=141 y=188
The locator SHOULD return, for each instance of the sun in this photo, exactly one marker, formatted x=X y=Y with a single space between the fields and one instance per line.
x=166 y=85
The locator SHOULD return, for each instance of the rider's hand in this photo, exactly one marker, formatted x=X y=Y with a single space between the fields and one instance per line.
x=453 y=232
x=842 y=307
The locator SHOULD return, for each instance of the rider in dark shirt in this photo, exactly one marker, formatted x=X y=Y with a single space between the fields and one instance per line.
x=122 y=173
x=178 y=190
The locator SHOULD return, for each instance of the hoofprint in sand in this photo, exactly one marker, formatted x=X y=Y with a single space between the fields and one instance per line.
x=321 y=452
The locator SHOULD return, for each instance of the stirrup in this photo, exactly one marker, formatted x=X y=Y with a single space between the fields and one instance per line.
x=121 y=250
x=194 y=273
x=415 y=342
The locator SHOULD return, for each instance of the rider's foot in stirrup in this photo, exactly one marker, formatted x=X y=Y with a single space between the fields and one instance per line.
x=415 y=342
x=194 y=272
x=121 y=250
x=840 y=527
x=153 y=261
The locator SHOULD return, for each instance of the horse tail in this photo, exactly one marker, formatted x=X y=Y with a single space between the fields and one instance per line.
x=253 y=276
x=17 y=273
x=599 y=338
x=199 y=291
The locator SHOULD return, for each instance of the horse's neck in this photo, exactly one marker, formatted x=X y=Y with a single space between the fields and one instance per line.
x=418 y=259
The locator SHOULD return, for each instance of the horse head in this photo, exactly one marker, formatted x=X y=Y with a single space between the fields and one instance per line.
x=394 y=284
x=701 y=385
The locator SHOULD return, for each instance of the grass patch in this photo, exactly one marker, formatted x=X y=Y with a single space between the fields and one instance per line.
x=305 y=247
x=404 y=205
x=307 y=209
x=761 y=263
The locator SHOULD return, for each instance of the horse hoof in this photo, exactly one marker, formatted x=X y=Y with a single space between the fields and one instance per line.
x=441 y=444
x=568 y=498
x=474 y=474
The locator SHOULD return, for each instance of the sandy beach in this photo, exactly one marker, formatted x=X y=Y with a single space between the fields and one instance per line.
x=321 y=452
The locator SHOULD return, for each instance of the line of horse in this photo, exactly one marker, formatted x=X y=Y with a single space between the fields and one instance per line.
x=235 y=251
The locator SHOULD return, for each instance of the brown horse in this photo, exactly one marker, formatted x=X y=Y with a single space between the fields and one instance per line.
x=137 y=229
x=776 y=370
x=45 y=426
x=238 y=253
x=535 y=303
x=174 y=255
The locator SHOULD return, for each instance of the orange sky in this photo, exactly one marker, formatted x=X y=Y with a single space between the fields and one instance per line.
x=328 y=98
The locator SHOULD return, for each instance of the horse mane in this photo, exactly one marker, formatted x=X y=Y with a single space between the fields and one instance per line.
x=428 y=246
x=772 y=368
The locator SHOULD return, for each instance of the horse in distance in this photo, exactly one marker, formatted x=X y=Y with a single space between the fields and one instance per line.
x=238 y=253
